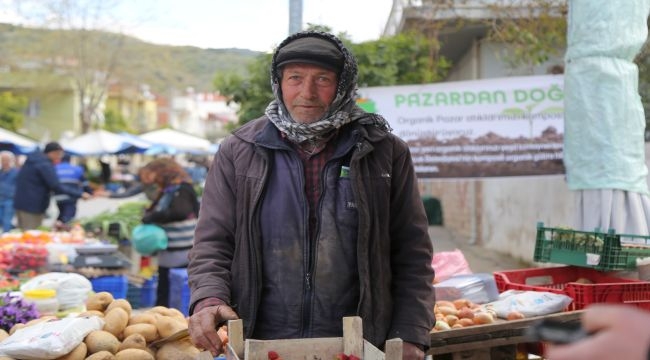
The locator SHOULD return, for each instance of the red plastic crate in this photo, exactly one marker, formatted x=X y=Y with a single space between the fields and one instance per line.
x=603 y=288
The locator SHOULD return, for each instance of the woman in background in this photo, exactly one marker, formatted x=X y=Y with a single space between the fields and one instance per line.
x=175 y=209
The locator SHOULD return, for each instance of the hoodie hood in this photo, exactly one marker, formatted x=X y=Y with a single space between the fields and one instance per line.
x=347 y=81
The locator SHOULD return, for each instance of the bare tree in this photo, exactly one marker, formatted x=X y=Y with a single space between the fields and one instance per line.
x=534 y=30
x=90 y=64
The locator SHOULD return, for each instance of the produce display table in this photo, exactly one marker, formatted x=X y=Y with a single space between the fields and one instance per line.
x=496 y=341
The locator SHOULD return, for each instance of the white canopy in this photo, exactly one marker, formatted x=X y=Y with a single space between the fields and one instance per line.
x=16 y=143
x=178 y=140
x=102 y=142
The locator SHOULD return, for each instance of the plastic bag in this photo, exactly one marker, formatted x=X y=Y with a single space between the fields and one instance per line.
x=49 y=339
x=449 y=263
x=529 y=303
x=478 y=288
x=71 y=289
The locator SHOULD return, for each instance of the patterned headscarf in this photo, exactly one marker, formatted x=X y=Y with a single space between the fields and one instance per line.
x=343 y=109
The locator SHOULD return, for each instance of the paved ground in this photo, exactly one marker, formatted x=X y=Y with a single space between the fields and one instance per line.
x=480 y=259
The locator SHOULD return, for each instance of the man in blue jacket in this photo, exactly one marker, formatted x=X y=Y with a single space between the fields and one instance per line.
x=35 y=182
x=71 y=177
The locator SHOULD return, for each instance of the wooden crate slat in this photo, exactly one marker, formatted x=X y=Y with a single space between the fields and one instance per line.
x=294 y=349
x=352 y=336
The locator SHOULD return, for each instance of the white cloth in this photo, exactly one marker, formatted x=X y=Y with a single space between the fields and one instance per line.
x=603 y=209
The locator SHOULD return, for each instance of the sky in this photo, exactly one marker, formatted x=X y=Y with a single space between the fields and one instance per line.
x=246 y=24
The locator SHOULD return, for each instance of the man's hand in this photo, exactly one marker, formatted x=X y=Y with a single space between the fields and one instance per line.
x=86 y=196
x=618 y=332
x=411 y=352
x=203 y=327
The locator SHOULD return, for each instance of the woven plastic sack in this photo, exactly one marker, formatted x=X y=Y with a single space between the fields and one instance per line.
x=49 y=340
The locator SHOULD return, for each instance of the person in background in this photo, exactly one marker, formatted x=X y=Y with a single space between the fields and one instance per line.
x=617 y=332
x=106 y=172
x=143 y=183
x=312 y=213
x=176 y=210
x=8 y=174
x=73 y=178
x=35 y=181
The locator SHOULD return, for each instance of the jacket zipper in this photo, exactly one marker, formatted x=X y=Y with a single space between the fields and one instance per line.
x=308 y=252
x=254 y=263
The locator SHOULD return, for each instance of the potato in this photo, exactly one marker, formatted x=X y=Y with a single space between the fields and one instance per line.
x=171 y=312
x=178 y=350
x=102 y=355
x=92 y=313
x=16 y=327
x=167 y=325
x=177 y=314
x=134 y=341
x=78 y=353
x=99 y=301
x=6 y=358
x=133 y=354
x=3 y=334
x=116 y=320
x=149 y=331
x=41 y=319
x=142 y=318
x=122 y=303
x=100 y=340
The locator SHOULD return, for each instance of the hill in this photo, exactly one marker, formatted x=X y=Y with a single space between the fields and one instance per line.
x=137 y=62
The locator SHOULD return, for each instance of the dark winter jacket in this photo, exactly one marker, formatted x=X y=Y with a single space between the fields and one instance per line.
x=35 y=182
x=175 y=210
x=393 y=251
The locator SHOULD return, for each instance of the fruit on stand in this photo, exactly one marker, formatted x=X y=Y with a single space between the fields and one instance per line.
x=462 y=313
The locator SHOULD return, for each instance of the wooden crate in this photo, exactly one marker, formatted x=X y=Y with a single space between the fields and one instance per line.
x=496 y=341
x=352 y=343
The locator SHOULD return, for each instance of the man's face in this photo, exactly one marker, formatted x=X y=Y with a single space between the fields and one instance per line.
x=5 y=162
x=307 y=91
x=55 y=156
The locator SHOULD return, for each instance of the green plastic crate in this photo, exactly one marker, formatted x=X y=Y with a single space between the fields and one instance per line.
x=592 y=249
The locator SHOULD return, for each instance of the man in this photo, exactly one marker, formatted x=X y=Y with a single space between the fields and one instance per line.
x=8 y=173
x=312 y=213
x=73 y=178
x=36 y=180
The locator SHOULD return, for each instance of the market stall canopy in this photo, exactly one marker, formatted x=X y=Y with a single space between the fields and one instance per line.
x=102 y=142
x=182 y=142
x=604 y=150
x=15 y=143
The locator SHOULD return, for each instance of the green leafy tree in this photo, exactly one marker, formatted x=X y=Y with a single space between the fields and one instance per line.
x=115 y=122
x=253 y=93
x=12 y=108
x=398 y=60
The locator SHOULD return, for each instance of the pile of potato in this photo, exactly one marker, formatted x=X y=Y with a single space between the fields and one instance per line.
x=462 y=313
x=125 y=335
